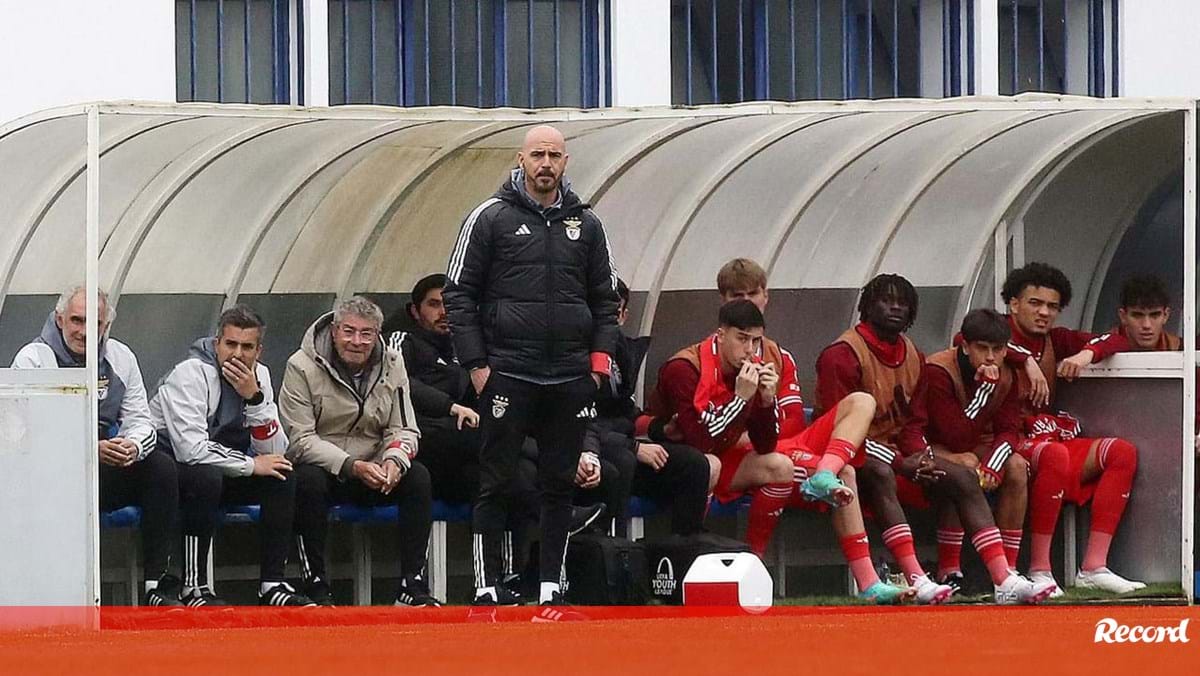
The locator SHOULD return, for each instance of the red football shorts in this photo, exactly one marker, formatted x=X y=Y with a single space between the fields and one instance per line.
x=805 y=449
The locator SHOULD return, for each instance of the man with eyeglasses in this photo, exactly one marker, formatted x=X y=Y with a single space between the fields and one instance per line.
x=346 y=407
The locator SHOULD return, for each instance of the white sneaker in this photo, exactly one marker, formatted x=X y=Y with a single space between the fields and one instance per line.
x=1104 y=579
x=1046 y=576
x=930 y=593
x=1016 y=589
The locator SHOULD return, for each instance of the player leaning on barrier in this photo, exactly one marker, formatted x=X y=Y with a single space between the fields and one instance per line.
x=1142 y=318
x=532 y=298
x=1081 y=469
x=215 y=411
x=346 y=406
x=131 y=472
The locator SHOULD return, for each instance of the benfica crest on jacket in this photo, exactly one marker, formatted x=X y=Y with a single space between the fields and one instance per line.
x=572 y=228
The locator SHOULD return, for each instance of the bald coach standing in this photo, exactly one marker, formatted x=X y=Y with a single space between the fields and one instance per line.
x=531 y=294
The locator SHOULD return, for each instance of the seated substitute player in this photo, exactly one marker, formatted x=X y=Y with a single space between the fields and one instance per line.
x=216 y=412
x=673 y=474
x=967 y=409
x=1099 y=470
x=131 y=473
x=713 y=392
x=1144 y=312
x=346 y=407
x=876 y=357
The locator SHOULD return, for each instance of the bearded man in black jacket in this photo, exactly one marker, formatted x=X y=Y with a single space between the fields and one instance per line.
x=531 y=294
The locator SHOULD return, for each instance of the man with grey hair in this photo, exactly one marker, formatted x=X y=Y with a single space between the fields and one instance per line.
x=532 y=298
x=131 y=472
x=346 y=407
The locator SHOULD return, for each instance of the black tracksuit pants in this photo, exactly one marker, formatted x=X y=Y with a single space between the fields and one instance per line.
x=204 y=489
x=153 y=485
x=317 y=490
x=681 y=484
x=510 y=410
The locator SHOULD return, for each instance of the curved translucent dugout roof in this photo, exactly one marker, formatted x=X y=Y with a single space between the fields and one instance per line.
x=228 y=202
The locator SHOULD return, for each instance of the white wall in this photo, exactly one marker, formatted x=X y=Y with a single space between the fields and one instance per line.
x=57 y=52
x=1159 y=55
x=641 y=52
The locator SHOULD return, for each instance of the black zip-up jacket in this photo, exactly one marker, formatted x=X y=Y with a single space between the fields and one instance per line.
x=437 y=379
x=532 y=291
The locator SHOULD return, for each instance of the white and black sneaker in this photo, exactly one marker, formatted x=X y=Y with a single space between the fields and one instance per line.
x=582 y=517
x=414 y=593
x=283 y=594
x=200 y=597
x=165 y=593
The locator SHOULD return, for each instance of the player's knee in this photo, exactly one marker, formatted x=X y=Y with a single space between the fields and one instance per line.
x=877 y=474
x=959 y=480
x=969 y=461
x=714 y=471
x=858 y=402
x=849 y=476
x=779 y=468
x=1016 y=472
x=1120 y=455
x=1053 y=457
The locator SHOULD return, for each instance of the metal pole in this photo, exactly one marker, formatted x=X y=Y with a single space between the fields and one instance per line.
x=91 y=284
x=1189 y=352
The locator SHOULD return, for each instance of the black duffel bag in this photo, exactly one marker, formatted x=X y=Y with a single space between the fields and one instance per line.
x=672 y=556
x=606 y=571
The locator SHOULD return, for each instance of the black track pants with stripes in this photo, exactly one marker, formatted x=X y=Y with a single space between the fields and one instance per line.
x=204 y=489
x=553 y=415
x=151 y=484
x=317 y=490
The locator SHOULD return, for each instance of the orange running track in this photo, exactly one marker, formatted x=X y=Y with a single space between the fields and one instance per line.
x=832 y=641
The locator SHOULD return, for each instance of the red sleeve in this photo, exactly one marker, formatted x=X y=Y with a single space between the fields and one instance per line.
x=791 y=404
x=1069 y=342
x=677 y=383
x=912 y=435
x=838 y=374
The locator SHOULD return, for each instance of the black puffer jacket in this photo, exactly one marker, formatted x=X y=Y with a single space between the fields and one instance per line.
x=532 y=291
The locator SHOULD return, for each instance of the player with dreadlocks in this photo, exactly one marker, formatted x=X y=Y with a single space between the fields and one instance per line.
x=876 y=357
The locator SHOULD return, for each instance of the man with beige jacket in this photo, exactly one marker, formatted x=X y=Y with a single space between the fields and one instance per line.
x=346 y=408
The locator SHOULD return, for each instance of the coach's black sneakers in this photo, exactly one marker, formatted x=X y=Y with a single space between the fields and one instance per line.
x=318 y=590
x=165 y=594
x=414 y=593
x=513 y=584
x=202 y=596
x=582 y=517
x=284 y=595
x=501 y=596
